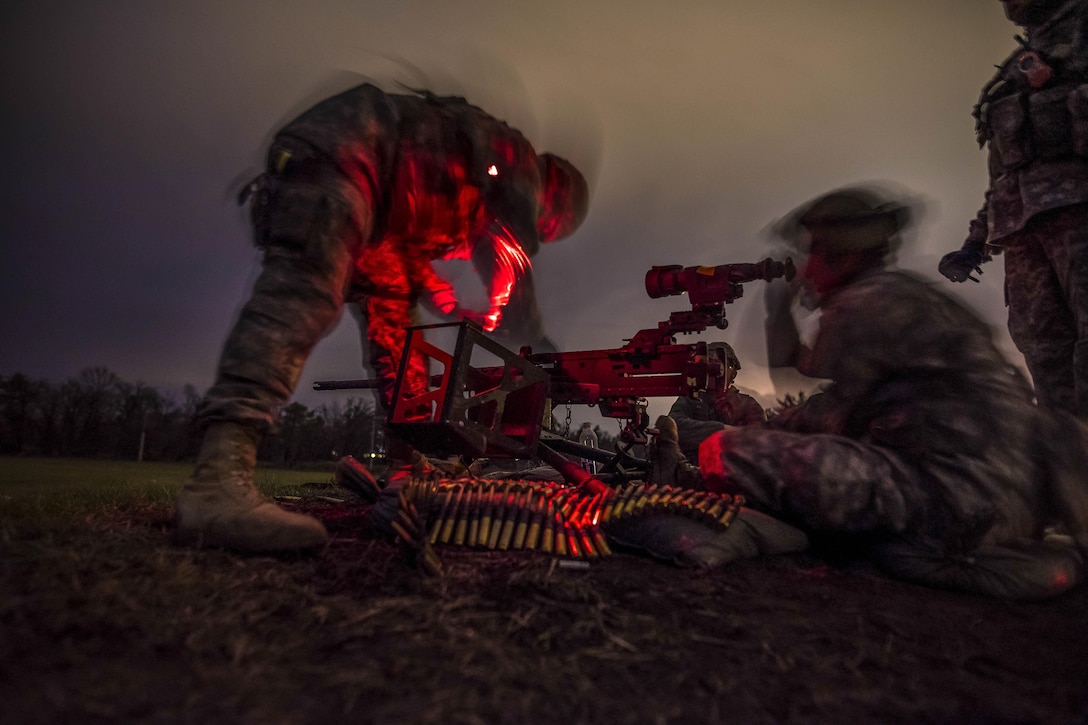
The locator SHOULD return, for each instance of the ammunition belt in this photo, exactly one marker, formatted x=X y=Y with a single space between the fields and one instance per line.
x=538 y=515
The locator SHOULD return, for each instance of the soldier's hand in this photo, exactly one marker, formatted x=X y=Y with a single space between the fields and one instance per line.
x=487 y=320
x=444 y=300
x=959 y=265
x=492 y=319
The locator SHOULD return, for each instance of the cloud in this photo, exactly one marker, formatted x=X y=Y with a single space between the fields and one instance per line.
x=698 y=123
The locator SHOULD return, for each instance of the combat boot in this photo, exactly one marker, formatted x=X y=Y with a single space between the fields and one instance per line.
x=668 y=464
x=221 y=506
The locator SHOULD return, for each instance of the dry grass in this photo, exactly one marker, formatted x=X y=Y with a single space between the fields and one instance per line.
x=103 y=619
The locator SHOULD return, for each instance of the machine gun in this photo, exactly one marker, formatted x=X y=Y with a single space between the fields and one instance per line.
x=499 y=410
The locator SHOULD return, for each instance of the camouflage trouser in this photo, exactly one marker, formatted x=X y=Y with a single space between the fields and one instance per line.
x=1025 y=570
x=306 y=230
x=1046 y=288
x=831 y=484
x=307 y=219
x=818 y=482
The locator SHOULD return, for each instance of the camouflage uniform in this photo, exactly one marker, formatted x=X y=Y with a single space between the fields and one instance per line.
x=1033 y=116
x=697 y=418
x=362 y=192
x=927 y=446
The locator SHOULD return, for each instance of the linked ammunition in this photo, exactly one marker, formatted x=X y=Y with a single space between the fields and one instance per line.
x=567 y=507
x=721 y=503
x=584 y=540
x=451 y=515
x=561 y=540
x=474 y=516
x=692 y=501
x=461 y=528
x=551 y=516
x=727 y=517
x=629 y=505
x=498 y=517
x=638 y=503
x=509 y=519
x=670 y=497
x=708 y=500
x=485 y=517
x=571 y=538
x=522 y=526
x=545 y=516
x=618 y=502
x=575 y=509
x=656 y=492
x=592 y=514
x=446 y=497
x=535 y=520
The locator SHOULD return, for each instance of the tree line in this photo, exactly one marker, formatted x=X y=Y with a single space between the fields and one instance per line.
x=96 y=414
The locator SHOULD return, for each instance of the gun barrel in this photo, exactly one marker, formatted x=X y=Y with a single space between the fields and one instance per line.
x=346 y=384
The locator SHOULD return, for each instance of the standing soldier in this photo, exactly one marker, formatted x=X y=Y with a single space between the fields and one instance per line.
x=1033 y=116
x=362 y=192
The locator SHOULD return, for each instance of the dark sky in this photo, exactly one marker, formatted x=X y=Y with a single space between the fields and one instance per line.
x=127 y=126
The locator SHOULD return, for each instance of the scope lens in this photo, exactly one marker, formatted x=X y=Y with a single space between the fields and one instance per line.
x=664 y=281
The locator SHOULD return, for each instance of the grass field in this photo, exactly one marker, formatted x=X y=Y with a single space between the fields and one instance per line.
x=50 y=491
x=25 y=476
x=103 y=619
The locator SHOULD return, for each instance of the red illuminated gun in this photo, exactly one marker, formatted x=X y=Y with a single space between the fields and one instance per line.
x=498 y=410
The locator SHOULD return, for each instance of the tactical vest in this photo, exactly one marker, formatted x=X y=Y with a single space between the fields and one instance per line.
x=1034 y=119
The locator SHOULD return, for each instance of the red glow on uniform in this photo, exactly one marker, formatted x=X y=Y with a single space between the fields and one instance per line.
x=511 y=264
x=711 y=463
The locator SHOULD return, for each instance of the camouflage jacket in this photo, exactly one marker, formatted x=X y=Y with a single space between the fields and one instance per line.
x=916 y=373
x=430 y=175
x=697 y=418
x=1033 y=117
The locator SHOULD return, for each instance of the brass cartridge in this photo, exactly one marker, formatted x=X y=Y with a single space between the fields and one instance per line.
x=727 y=517
x=521 y=528
x=451 y=516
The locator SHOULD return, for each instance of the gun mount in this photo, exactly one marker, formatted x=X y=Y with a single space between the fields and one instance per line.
x=499 y=410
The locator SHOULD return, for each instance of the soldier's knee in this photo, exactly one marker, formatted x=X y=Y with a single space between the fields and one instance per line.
x=713 y=459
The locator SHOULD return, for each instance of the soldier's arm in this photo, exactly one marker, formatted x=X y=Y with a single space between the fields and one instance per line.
x=692 y=423
x=783 y=339
x=751 y=411
x=507 y=273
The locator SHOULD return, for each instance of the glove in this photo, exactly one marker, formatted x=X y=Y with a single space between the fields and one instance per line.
x=959 y=265
x=444 y=300
x=492 y=319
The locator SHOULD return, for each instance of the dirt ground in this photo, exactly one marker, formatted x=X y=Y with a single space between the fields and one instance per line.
x=108 y=621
